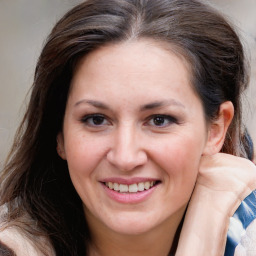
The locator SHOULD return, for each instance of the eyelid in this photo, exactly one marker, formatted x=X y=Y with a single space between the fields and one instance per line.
x=85 y=119
x=171 y=120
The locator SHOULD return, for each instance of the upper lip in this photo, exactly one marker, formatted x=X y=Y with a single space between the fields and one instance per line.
x=127 y=181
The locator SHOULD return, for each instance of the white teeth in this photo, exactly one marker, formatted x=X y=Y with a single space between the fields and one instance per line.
x=123 y=188
x=141 y=186
x=116 y=187
x=147 y=185
x=133 y=188
x=110 y=185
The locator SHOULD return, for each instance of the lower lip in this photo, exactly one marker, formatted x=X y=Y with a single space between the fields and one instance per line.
x=129 y=198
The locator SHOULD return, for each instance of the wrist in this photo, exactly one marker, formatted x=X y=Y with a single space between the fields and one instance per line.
x=214 y=202
x=205 y=226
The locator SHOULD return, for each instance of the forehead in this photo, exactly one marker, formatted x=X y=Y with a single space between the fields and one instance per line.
x=128 y=72
x=131 y=59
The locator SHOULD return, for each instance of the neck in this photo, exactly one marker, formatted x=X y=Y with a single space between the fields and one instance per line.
x=158 y=241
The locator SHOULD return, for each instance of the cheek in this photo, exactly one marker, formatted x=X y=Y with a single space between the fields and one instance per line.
x=181 y=169
x=179 y=161
x=180 y=152
x=84 y=154
x=83 y=157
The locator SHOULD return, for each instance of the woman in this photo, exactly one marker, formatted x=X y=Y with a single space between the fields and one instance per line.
x=118 y=152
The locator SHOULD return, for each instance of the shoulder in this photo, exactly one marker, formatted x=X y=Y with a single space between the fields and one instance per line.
x=13 y=241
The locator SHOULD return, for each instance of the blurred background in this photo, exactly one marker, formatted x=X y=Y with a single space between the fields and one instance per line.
x=24 y=26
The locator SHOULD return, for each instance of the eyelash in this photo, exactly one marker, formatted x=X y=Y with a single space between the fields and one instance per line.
x=102 y=118
x=87 y=118
x=170 y=120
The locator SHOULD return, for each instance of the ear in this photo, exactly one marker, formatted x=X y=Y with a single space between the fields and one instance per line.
x=60 y=146
x=218 y=128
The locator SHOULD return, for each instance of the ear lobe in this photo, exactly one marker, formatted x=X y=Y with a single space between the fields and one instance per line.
x=218 y=128
x=60 y=146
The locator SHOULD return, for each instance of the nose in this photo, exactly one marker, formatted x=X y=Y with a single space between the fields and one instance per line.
x=127 y=151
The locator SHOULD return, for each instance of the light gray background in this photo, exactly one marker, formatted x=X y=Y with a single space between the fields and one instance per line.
x=25 y=24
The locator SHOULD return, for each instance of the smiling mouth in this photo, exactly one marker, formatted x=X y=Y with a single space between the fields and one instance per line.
x=132 y=188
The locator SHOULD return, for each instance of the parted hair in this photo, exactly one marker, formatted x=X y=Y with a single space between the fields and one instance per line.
x=35 y=177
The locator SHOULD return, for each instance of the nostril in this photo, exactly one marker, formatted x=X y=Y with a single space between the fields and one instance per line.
x=126 y=161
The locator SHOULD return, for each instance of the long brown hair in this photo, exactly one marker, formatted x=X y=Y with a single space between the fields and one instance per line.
x=34 y=176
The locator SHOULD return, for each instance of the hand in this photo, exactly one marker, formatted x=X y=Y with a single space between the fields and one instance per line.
x=223 y=182
x=228 y=178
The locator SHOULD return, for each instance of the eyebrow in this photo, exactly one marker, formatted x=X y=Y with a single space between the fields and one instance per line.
x=159 y=104
x=94 y=103
x=152 y=105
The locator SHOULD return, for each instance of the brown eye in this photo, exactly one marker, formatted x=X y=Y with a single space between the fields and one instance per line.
x=95 y=120
x=161 y=120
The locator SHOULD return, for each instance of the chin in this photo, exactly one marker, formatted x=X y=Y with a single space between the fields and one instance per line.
x=130 y=223
x=131 y=229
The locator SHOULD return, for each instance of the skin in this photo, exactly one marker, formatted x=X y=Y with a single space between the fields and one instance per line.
x=223 y=182
x=129 y=85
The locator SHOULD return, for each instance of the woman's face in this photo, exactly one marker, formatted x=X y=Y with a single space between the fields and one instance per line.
x=133 y=135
